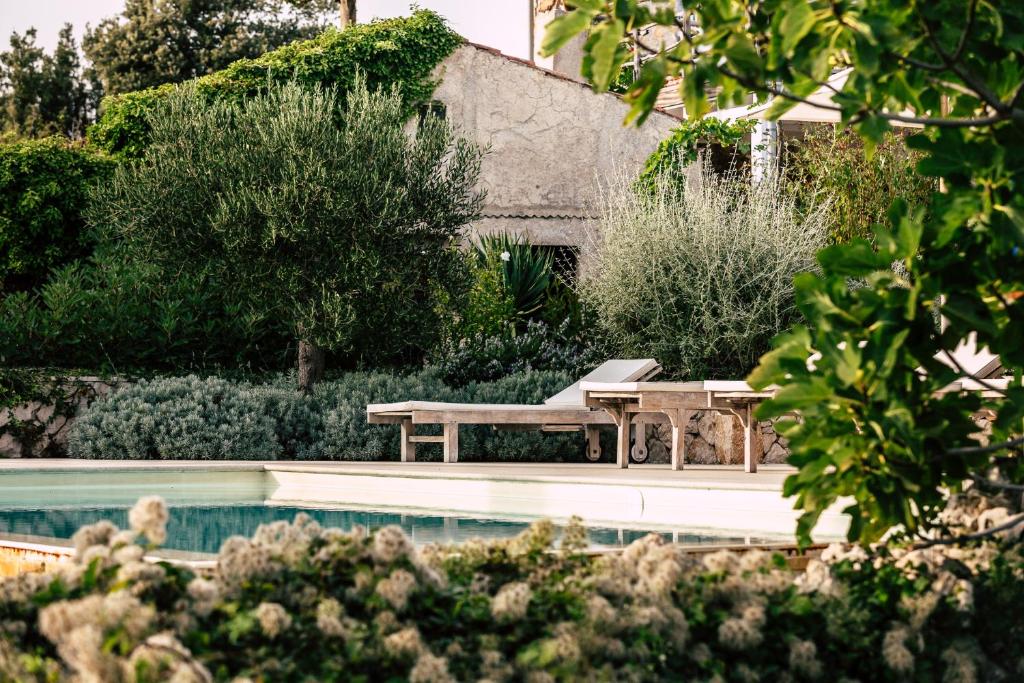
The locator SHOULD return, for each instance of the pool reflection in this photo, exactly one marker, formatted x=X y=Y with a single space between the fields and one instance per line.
x=203 y=528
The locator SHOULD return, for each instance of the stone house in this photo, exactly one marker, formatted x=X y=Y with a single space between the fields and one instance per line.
x=552 y=141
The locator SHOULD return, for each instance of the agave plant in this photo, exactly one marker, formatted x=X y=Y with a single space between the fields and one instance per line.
x=527 y=271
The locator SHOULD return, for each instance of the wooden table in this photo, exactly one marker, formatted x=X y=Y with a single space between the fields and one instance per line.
x=630 y=402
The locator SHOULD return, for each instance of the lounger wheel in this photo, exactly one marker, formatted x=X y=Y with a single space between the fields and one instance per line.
x=638 y=453
x=593 y=449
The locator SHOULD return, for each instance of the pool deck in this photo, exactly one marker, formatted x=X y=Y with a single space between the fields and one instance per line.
x=706 y=497
x=768 y=477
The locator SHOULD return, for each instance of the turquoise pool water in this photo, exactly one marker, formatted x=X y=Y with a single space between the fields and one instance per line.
x=203 y=528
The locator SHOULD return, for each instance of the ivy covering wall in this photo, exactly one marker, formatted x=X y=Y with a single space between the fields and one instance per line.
x=721 y=139
x=402 y=52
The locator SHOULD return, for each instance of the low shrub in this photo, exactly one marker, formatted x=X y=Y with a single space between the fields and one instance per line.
x=177 y=419
x=700 y=279
x=212 y=418
x=44 y=187
x=374 y=607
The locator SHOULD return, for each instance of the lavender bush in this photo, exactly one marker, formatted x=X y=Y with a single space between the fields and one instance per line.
x=193 y=418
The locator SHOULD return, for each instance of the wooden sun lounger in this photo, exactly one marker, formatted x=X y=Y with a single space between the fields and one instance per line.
x=676 y=401
x=630 y=402
x=565 y=411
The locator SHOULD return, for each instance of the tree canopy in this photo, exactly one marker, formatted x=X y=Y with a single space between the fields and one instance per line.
x=331 y=216
x=168 y=41
x=43 y=93
x=867 y=373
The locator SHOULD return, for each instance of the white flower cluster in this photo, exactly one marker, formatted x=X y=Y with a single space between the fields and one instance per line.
x=511 y=601
x=274 y=619
x=470 y=612
x=149 y=518
x=397 y=588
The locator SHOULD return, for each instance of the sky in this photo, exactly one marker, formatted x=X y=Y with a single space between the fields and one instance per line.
x=497 y=23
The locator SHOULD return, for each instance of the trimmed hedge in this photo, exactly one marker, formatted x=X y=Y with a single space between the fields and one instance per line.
x=401 y=51
x=189 y=418
x=44 y=186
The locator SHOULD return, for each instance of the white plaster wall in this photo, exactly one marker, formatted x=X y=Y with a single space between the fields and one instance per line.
x=552 y=140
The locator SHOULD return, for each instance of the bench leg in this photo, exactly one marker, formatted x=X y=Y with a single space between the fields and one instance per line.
x=451 y=442
x=593 y=443
x=640 y=441
x=746 y=415
x=408 y=447
x=679 y=419
x=622 y=443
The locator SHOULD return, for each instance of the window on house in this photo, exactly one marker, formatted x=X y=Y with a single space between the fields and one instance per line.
x=433 y=108
x=565 y=263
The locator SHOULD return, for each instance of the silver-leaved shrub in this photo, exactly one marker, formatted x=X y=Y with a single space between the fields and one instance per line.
x=186 y=418
x=700 y=278
x=194 y=418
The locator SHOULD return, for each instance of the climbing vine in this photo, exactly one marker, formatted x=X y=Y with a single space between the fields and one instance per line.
x=682 y=147
x=401 y=52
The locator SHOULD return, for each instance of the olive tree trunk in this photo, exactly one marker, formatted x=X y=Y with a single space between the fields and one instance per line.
x=348 y=12
x=311 y=365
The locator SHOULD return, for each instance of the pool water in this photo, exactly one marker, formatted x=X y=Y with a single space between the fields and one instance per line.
x=203 y=528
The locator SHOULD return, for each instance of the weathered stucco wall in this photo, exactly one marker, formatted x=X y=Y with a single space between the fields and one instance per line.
x=552 y=140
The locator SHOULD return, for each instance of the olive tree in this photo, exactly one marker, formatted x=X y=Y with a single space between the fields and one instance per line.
x=328 y=210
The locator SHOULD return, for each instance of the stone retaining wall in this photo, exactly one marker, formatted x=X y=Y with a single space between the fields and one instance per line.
x=39 y=428
x=714 y=439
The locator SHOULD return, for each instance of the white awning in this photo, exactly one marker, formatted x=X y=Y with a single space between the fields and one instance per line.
x=804 y=112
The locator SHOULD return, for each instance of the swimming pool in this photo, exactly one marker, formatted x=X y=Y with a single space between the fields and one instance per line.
x=210 y=502
x=203 y=528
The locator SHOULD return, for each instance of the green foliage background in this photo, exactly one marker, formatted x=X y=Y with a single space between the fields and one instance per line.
x=167 y=41
x=44 y=187
x=318 y=205
x=682 y=147
x=873 y=426
x=44 y=94
x=831 y=165
x=402 y=52
x=110 y=314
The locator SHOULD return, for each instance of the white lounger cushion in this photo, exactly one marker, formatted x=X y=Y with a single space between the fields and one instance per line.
x=709 y=385
x=410 y=406
x=980 y=363
x=618 y=370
